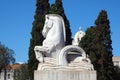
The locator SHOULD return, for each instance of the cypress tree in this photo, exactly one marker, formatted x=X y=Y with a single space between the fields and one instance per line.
x=98 y=45
x=88 y=45
x=105 y=46
x=57 y=8
x=42 y=8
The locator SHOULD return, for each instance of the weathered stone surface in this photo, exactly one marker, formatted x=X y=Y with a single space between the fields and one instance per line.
x=64 y=75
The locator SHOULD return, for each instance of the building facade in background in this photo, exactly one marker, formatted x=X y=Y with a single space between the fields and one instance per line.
x=116 y=60
x=13 y=71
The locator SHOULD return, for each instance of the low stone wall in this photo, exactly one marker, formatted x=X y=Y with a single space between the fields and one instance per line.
x=64 y=75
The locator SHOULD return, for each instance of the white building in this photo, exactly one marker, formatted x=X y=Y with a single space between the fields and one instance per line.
x=9 y=72
x=116 y=60
x=9 y=75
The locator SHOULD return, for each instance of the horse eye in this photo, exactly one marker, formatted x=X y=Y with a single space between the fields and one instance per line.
x=47 y=17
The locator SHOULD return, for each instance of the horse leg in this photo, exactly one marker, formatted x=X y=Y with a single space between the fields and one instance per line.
x=39 y=56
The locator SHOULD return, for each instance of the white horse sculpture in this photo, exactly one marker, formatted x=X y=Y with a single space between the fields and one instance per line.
x=55 y=37
x=53 y=54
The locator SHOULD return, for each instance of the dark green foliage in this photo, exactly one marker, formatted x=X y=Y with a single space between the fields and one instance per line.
x=21 y=73
x=105 y=48
x=6 y=56
x=98 y=45
x=87 y=44
x=57 y=8
x=42 y=8
x=117 y=72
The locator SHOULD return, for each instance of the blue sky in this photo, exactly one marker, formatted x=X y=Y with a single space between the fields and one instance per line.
x=16 y=17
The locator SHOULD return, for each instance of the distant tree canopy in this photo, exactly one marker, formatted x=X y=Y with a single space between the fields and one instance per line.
x=98 y=45
x=6 y=56
x=42 y=8
x=57 y=8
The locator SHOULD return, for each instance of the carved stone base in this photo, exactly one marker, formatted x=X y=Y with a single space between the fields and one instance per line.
x=64 y=75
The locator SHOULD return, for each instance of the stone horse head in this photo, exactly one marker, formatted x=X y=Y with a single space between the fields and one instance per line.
x=54 y=33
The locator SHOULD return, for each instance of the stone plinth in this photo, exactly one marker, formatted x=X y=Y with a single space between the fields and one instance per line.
x=64 y=75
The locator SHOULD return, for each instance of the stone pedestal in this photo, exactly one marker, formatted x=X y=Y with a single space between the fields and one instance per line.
x=64 y=75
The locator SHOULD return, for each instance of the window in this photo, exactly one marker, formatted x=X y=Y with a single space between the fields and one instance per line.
x=8 y=76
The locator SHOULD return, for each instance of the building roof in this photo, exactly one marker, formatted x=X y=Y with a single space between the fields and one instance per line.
x=116 y=58
x=16 y=66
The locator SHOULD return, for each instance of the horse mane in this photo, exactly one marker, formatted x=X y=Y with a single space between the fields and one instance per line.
x=63 y=24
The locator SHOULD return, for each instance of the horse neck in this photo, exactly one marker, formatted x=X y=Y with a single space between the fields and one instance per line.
x=56 y=30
